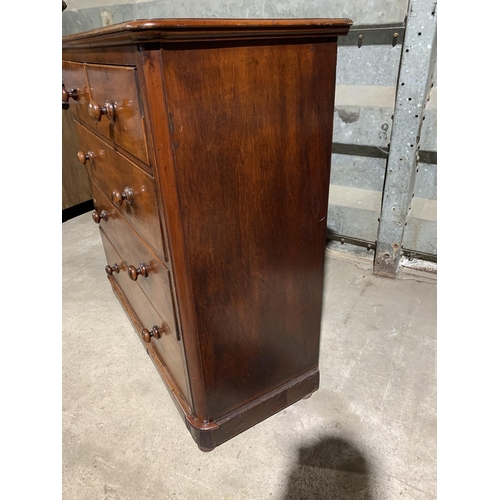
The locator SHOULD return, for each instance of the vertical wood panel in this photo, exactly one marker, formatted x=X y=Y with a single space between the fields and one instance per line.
x=251 y=129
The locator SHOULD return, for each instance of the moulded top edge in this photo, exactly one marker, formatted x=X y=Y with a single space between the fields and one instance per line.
x=183 y=29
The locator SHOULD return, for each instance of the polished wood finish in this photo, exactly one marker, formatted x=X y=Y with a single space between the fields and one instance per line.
x=124 y=55
x=114 y=94
x=236 y=118
x=110 y=269
x=207 y=30
x=263 y=207
x=98 y=90
x=75 y=180
x=127 y=195
x=179 y=396
x=67 y=94
x=157 y=285
x=152 y=80
x=96 y=216
x=155 y=333
x=83 y=158
x=135 y=272
x=166 y=346
x=128 y=187
x=75 y=79
x=108 y=110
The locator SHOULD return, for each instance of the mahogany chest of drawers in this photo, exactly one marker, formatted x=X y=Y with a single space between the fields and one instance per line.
x=208 y=147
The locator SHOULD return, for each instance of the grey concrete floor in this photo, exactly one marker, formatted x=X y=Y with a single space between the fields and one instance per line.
x=368 y=433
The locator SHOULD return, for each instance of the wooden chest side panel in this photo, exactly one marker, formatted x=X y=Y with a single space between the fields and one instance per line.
x=252 y=131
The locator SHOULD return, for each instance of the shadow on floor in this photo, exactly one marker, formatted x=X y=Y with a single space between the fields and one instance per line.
x=331 y=469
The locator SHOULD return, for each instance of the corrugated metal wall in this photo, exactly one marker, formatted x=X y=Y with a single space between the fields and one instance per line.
x=369 y=62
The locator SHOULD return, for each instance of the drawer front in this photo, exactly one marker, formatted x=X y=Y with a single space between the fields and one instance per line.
x=75 y=79
x=115 y=175
x=122 y=120
x=156 y=284
x=166 y=346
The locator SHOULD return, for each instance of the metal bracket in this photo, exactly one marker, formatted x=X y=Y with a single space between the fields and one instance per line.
x=372 y=245
x=369 y=245
x=380 y=34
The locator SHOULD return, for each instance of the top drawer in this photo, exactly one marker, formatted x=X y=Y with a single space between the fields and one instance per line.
x=107 y=98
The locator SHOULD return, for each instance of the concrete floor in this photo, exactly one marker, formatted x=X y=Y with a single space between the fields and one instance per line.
x=368 y=433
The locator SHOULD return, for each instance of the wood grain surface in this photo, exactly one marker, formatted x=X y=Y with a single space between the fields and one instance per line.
x=112 y=172
x=252 y=131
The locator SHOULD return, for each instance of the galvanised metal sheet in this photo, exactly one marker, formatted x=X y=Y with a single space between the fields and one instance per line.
x=356 y=184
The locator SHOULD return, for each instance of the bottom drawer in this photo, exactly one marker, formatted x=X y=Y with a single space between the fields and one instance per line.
x=166 y=346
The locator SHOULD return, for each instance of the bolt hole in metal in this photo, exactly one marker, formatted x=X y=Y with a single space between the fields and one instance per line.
x=407 y=50
x=402 y=83
x=419 y=33
x=416 y=116
x=409 y=98
x=411 y=145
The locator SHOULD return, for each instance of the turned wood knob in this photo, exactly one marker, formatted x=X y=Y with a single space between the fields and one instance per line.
x=127 y=195
x=155 y=332
x=67 y=94
x=82 y=157
x=96 y=111
x=112 y=269
x=96 y=216
x=135 y=272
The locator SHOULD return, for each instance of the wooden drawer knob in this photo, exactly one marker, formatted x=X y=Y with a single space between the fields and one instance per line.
x=97 y=217
x=155 y=332
x=96 y=111
x=115 y=268
x=135 y=272
x=69 y=94
x=127 y=195
x=82 y=157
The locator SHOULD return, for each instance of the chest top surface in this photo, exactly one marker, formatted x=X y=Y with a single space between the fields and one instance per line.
x=177 y=30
